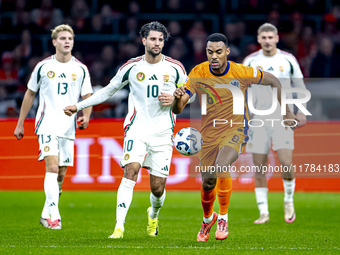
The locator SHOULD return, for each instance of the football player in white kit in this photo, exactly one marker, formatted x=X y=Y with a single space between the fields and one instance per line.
x=60 y=79
x=148 y=126
x=286 y=68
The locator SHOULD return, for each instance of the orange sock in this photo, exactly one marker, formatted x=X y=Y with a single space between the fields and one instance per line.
x=207 y=200
x=223 y=189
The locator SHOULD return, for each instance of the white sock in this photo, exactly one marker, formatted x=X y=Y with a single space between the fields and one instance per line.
x=289 y=188
x=52 y=194
x=124 y=198
x=261 y=195
x=208 y=220
x=156 y=204
x=46 y=212
x=223 y=216
x=60 y=184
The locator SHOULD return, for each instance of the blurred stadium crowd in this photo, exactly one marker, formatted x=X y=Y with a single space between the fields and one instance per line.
x=107 y=36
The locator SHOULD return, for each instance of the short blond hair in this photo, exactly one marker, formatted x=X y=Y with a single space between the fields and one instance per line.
x=267 y=27
x=61 y=28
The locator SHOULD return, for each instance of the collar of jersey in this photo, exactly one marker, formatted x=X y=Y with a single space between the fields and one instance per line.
x=53 y=57
x=220 y=74
x=155 y=63
x=277 y=53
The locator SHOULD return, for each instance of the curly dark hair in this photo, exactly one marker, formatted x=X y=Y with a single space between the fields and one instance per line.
x=154 y=26
x=217 y=37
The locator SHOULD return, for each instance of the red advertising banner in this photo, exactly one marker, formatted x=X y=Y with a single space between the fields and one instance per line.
x=99 y=148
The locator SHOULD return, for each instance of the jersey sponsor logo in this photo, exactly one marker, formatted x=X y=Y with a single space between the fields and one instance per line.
x=236 y=83
x=50 y=74
x=46 y=148
x=140 y=76
x=165 y=77
x=74 y=76
x=153 y=78
x=281 y=68
x=62 y=76
x=126 y=157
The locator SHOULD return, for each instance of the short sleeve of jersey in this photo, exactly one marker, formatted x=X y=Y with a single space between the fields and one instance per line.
x=33 y=83
x=250 y=75
x=191 y=88
x=296 y=69
x=86 y=86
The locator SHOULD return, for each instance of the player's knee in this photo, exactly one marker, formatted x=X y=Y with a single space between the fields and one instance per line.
x=52 y=169
x=209 y=183
x=157 y=192
x=131 y=171
x=260 y=174
x=61 y=178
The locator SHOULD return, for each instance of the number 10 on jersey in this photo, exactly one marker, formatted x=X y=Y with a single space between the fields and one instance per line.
x=152 y=91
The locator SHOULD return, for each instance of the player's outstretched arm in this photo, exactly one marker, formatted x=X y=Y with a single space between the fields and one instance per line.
x=83 y=121
x=25 y=107
x=181 y=99
x=271 y=80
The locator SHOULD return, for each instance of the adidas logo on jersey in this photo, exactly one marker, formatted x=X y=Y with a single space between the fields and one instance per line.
x=62 y=76
x=66 y=160
x=165 y=168
x=153 y=77
x=52 y=204
x=270 y=69
x=122 y=205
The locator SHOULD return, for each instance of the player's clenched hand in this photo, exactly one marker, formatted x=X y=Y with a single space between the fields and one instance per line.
x=289 y=120
x=165 y=98
x=69 y=110
x=82 y=122
x=19 y=132
x=180 y=91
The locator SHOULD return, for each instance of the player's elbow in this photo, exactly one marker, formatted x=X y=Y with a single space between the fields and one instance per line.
x=176 y=110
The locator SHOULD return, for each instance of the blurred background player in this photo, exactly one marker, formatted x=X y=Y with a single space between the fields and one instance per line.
x=286 y=68
x=221 y=144
x=60 y=79
x=149 y=124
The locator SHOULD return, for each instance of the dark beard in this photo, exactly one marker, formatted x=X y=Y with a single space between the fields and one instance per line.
x=152 y=53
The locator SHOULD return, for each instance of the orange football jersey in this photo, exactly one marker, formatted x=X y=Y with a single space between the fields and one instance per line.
x=203 y=81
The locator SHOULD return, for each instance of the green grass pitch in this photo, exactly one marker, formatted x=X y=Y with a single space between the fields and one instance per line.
x=88 y=219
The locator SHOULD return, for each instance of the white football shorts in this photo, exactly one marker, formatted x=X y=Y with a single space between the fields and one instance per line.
x=51 y=145
x=260 y=139
x=153 y=153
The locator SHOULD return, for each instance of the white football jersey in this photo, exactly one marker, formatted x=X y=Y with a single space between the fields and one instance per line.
x=147 y=116
x=59 y=85
x=283 y=66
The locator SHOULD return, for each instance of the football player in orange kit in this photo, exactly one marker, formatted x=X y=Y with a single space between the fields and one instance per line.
x=222 y=143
